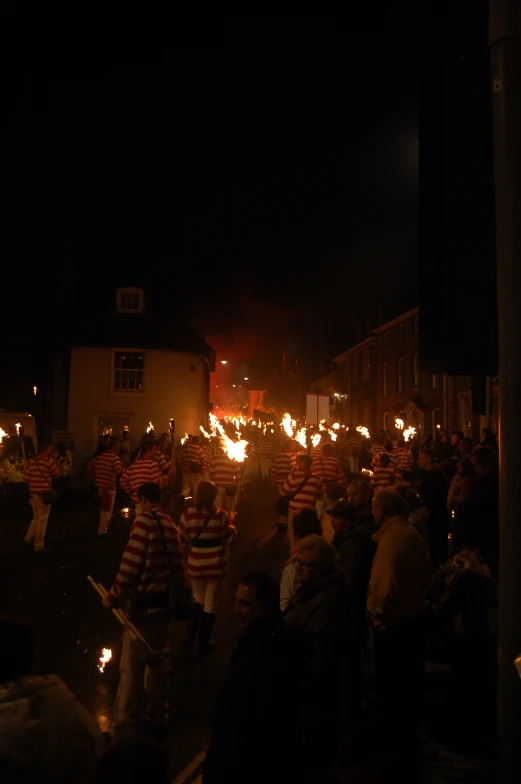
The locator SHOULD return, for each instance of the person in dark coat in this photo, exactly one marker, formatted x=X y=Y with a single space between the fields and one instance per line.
x=255 y=731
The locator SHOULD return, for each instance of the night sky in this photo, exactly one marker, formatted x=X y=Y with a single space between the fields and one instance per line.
x=274 y=166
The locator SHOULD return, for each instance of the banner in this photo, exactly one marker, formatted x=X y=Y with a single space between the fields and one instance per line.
x=316 y=403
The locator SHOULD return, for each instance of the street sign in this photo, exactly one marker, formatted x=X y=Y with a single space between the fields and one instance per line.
x=64 y=436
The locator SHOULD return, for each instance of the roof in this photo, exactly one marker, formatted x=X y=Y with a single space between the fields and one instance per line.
x=397 y=320
x=152 y=330
x=364 y=344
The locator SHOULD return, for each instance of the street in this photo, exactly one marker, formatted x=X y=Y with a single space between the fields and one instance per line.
x=52 y=593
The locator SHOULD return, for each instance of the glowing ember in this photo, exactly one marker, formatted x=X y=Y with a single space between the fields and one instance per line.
x=399 y=423
x=106 y=656
x=286 y=424
x=407 y=434
x=336 y=426
x=184 y=439
x=301 y=437
x=363 y=430
x=150 y=427
x=315 y=439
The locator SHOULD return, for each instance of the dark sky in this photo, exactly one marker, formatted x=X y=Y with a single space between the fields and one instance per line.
x=276 y=160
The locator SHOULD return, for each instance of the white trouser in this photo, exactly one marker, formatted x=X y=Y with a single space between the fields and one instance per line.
x=190 y=484
x=321 y=504
x=142 y=688
x=265 y=467
x=38 y=525
x=106 y=517
x=225 y=501
x=205 y=593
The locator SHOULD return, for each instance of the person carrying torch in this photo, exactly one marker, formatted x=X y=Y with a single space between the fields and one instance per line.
x=141 y=586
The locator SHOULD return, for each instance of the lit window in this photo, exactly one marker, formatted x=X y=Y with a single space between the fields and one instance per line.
x=129 y=300
x=112 y=424
x=127 y=371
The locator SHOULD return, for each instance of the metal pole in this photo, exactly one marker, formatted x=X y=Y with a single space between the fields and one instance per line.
x=505 y=77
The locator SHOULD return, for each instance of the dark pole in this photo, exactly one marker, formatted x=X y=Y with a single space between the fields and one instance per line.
x=505 y=77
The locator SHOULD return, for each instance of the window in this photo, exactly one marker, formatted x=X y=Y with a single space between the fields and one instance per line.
x=401 y=375
x=386 y=379
x=366 y=365
x=436 y=381
x=112 y=424
x=401 y=333
x=127 y=371
x=386 y=337
x=354 y=370
x=129 y=301
x=415 y=326
x=416 y=370
x=386 y=421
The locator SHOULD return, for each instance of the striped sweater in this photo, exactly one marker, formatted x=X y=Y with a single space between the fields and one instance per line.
x=144 y=570
x=194 y=453
x=224 y=471
x=104 y=469
x=329 y=470
x=307 y=497
x=383 y=476
x=145 y=469
x=206 y=534
x=39 y=473
x=284 y=464
x=404 y=459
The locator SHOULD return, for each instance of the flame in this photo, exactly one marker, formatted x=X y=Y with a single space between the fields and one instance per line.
x=363 y=430
x=3 y=434
x=399 y=423
x=183 y=440
x=204 y=432
x=333 y=435
x=236 y=450
x=106 y=656
x=411 y=431
x=18 y=426
x=150 y=427
x=336 y=426
x=367 y=471
x=287 y=423
x=315 y=439
x=301 y=437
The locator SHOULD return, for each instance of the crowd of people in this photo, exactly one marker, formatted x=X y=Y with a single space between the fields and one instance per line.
x=351 y=599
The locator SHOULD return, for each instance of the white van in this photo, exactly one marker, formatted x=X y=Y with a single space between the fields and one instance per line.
x=20 y=423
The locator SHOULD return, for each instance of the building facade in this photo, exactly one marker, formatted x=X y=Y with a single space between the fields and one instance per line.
x=381 y=379
x=133 y=372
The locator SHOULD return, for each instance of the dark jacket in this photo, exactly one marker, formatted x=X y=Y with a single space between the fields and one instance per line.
x=355 y=550
x=254 y=730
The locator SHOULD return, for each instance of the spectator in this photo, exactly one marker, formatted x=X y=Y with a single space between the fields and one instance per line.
x=45 y=733
x=433 y=491
x=479 y=514
x=395 y=606
x=360 y=495
x=305 y=523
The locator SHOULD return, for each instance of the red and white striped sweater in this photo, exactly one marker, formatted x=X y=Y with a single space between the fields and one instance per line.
x=266 y=449
x=144 y=570
x=207 y=555
x=104 y=469
x=145 y=469
x=404 y=459
x=223 y=471
x=194 y=453
x=39 y=473
x=307 y=497
x=284 y=464
x=383 y=476
x=329 y=470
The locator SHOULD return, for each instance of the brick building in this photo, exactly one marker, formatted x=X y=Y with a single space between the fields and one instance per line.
x=381 y=378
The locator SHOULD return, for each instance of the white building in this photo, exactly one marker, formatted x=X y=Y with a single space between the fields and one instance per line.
x=132 y=370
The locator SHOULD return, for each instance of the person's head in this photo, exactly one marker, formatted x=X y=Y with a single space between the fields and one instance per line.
x=400 y=441
x=306 y=522
x=115 y=443
x=147 y=449
x=485 y=432
x=388 y=503
x=206 y=494
x=46 y=447
x=465 y=446
x=443 y=436
x=359 y=495
x=291 y=446
x=314 y=559
x=106 y=438
x=257 y=595
x=411 y=498
x=126 y=435
x=343 y=517
x=385 y=459
x=389 y=447
x=149 y=494
x=465 y=467
x=425 y=458
x=195 y=440
x=456 y=437
x=304 y=462
x=132 y=759
x=327 y=449
x=484 y=460
x=17 y=650
x=156 y=445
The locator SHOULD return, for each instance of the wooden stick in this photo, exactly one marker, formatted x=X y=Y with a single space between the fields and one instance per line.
x=120 y=615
